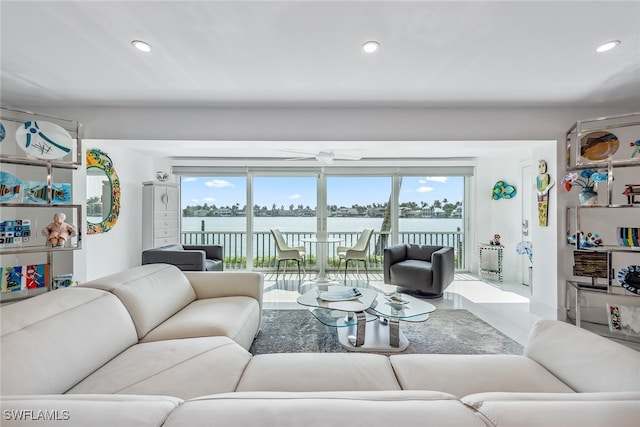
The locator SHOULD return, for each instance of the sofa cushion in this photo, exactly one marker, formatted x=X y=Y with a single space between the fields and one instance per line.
x=52 y=341
x=152 y=293
x=463 y=374
x=381 y=408
x=235 y=317
x=583 y=360
x=183 y=368
x=411 y=271
x=87 y=410
x=318 y=372
x=557 y=409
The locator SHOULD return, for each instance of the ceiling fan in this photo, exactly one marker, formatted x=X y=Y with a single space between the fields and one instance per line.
x=326 y=157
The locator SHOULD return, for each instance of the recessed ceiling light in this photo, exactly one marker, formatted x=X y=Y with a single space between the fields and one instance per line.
x=142 y=46
x=370 y=46
x=607 y=46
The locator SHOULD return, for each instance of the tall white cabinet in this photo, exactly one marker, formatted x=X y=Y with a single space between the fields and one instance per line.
x=160 y=214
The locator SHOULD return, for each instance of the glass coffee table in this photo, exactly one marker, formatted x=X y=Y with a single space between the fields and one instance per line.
x=370 y=322
x=341 y=314
x=385 y=335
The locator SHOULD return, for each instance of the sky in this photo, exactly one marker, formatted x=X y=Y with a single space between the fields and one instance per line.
x=341 y=191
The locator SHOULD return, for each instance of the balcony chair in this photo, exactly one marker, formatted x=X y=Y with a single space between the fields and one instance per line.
x=358 y=252
x=187 y=257
x=426 y=269
x=287 y=253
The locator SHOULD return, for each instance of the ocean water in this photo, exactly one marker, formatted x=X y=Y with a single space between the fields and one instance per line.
x=308 y=224
x=230 y=232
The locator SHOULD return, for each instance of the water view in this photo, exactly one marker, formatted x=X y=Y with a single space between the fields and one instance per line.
x=308 y=224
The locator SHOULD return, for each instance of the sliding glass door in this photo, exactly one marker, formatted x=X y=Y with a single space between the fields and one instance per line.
x=286 y=203
x=353 y=204
x=326 y=204
x=214 y=211
x=430 y=211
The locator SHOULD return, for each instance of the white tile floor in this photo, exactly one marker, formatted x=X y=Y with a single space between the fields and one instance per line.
x=503 y=306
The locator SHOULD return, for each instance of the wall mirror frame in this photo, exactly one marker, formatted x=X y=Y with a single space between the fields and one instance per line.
x=99 y=160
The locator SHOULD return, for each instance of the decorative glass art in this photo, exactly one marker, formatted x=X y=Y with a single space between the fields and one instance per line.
x=44 y=140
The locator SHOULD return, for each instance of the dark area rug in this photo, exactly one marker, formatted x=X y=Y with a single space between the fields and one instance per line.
x=446 y=332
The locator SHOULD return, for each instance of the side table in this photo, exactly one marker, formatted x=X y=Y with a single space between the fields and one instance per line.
x=490 y=259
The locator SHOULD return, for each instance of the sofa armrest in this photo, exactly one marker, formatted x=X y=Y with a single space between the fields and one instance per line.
x=183 y=259
x=215 y=284
x=568 y=352
x=211 y=251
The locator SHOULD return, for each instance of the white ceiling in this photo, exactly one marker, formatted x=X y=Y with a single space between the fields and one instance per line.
x=219 y=53
x=307 y=53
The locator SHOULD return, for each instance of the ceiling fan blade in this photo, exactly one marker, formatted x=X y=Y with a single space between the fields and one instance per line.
x=339 y=156
x=300 y=158
x=306 y=154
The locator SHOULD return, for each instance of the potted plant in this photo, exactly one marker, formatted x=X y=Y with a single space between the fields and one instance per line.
x=586 y=180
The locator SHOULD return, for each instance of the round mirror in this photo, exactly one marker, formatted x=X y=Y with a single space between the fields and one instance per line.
x=103 y=192
x=98 y=195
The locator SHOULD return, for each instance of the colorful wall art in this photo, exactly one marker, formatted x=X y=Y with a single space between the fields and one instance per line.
x=543 y=185
x=18 y=277
x=9 y=187
x=100 y=160
x=502 y=190
x=44 y=140
x=15 y=232
x=36 y=192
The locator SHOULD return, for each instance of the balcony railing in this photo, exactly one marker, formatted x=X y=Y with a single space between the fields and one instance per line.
x=265 y=256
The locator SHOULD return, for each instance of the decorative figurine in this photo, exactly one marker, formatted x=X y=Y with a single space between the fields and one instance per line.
x=495 y=241
x=543 y=185
x=58 y=231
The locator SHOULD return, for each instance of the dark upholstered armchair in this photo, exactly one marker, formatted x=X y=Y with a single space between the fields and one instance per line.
x=187 y=257
x=425 y=269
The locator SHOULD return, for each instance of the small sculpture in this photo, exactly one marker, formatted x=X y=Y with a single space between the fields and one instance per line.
x=543 y=185
x=58 y=231
x=495 y=241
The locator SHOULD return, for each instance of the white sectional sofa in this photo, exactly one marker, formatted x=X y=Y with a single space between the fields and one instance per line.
x=155 y=346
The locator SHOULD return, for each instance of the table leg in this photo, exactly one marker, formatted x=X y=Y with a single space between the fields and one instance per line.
x=394 y=332
x=361 y=326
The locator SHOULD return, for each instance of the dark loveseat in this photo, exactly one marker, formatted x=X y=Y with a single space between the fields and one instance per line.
x=187 y=257
x=428 y=270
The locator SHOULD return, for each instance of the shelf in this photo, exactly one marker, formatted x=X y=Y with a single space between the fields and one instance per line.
x=624 y=127
x=608 y=248
x=30 y=161
x=8 y=250
x=21 y=294
x=39 y=205
x=600 y=206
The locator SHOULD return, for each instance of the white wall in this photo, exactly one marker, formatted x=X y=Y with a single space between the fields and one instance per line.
x=120 y=248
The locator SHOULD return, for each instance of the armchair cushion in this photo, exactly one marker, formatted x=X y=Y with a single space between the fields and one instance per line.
x=187 y=257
